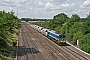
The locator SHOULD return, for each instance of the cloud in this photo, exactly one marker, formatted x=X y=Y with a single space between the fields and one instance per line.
x=40 y=3
x=56 y=1
x=49 y=5
x=86 y=4
x=67 y=5
x=8 y=1
x=16 y=1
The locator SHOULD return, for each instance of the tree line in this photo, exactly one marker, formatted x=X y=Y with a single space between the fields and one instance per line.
x=30 y=19
x=8 y=24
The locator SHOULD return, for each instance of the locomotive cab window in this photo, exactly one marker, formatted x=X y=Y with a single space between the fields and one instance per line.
x=60 y=36
x=64 y=36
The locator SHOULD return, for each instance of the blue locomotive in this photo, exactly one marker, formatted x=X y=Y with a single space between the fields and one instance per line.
x=60 y=38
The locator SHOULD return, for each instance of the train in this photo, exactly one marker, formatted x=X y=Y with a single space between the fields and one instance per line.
x=57 y=37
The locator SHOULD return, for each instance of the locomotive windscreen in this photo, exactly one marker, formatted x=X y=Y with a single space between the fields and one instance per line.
x=60 y=36
x=64 y=36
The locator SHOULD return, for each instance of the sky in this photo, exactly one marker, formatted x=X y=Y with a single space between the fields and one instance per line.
x=45 y=9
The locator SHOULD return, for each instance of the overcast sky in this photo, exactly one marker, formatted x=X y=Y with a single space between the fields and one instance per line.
x=46 y=8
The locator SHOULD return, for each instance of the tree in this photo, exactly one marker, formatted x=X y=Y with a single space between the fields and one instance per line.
x=58 y=21
x=8 y=22
x=87 y=24
x=73 y=25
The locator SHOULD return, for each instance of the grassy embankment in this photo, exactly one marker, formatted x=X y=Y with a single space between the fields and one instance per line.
x=7 y=52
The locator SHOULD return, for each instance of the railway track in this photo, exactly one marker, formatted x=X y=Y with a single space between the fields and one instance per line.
x=87 y=56
x=35 y=46
x=29 y=49
x=74 y=53
x=22 y=52
x=21 y=47
x=35 y=50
